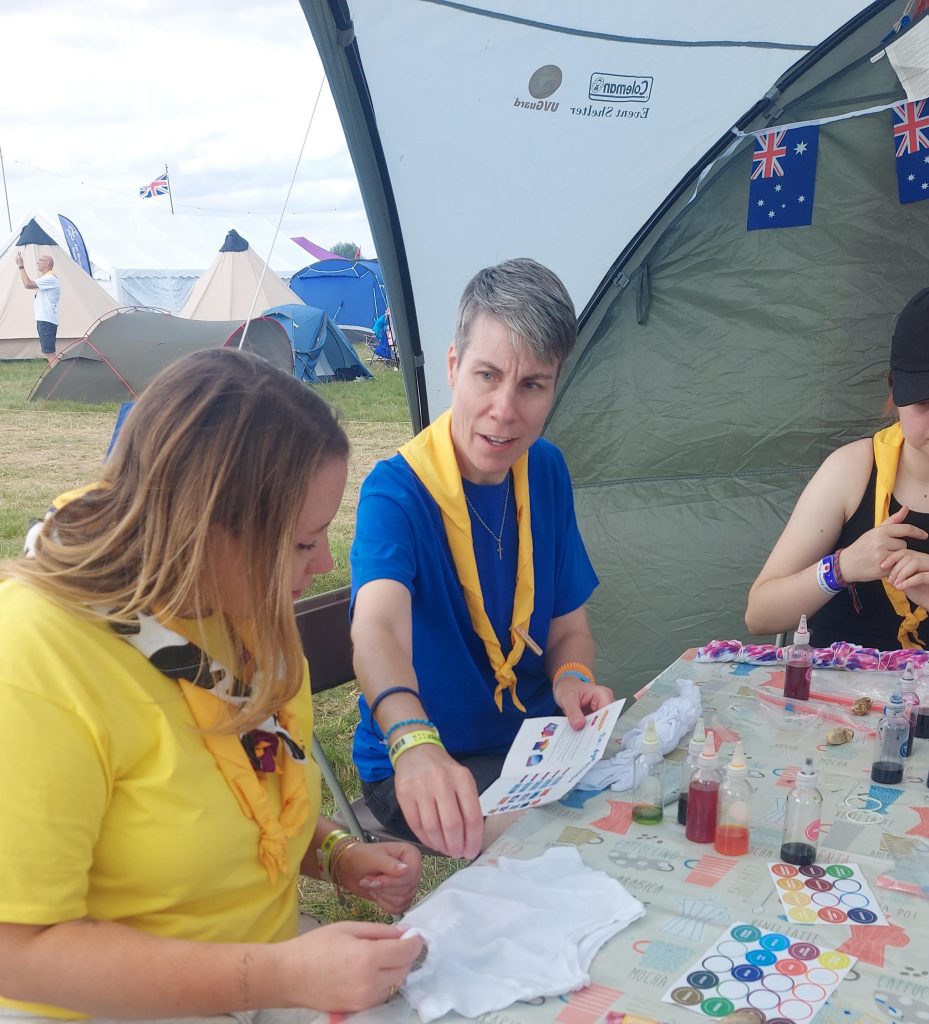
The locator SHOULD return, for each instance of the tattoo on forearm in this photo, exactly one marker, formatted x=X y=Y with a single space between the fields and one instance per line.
x=244 y=984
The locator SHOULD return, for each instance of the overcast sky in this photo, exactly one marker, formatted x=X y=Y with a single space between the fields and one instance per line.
x=96 y=98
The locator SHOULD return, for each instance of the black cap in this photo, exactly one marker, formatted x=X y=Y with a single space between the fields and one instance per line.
x=909 y=352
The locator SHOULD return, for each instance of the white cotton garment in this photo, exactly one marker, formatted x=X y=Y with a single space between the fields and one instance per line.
x=518 y=929
x=673 y=721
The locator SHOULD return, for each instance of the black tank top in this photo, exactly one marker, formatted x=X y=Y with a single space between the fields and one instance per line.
x=877 y=624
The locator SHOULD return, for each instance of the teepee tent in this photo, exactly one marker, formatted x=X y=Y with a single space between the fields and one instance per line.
x=82 y=300
x=716 y=366
x=237 y=284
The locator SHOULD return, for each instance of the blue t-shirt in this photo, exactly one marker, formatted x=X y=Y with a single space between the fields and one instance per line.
x=400 y=536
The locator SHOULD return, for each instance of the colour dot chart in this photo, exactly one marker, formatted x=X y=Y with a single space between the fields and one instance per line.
x=825 y=894
x=783 y=980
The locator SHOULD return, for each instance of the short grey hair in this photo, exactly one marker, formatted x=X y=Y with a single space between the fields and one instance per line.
x=529 y=300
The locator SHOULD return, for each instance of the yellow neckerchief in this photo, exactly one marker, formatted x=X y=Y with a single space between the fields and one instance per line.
x=431 y=455
x=888 y=444
x=248 y=786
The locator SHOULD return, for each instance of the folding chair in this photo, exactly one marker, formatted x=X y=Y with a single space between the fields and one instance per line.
x=325 y=632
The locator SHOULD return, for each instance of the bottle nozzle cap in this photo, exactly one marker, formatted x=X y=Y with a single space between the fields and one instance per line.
x=651 y=742
x=698 y=738
x=909 y=673
x=802 y=635
x=709 y=747
x=806 y=777
x=738 y=768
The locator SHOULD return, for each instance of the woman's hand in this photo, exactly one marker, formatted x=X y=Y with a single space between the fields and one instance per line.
x=385 y=873
x=577 y=699
x=865 y=559
x=347 y=966
x=908 y=571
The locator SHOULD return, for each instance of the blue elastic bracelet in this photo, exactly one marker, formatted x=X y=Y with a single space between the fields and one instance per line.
x=406 y=721
x=577 y=675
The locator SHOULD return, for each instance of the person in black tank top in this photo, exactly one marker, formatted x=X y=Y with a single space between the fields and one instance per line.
x=854 y=555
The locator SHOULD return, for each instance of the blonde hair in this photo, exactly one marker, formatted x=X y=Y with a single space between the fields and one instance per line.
x=219 y=441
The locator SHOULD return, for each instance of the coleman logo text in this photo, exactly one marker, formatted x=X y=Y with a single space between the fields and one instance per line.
x=620 y=88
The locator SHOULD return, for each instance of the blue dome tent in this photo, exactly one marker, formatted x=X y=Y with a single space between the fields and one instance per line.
x=322 y=353
x=350 y=291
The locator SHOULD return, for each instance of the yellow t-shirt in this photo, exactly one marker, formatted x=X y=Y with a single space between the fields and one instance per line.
x=112 y=807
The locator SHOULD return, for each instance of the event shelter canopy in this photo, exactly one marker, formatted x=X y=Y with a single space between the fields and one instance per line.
x=716 y=366
x=125 y=351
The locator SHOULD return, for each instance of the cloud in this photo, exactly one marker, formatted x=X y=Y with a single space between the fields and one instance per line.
x=96 y=99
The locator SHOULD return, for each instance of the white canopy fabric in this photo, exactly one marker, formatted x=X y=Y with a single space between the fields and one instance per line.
x=552 y=130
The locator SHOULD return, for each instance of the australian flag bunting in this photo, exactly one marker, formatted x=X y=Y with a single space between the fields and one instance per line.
x=780 y=193
x=911 y=140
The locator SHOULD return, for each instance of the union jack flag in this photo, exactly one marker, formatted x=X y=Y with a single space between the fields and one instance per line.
x=910 y=129
x=159 y=187
x=911 y=150
x=767 y=157
x=780 y=192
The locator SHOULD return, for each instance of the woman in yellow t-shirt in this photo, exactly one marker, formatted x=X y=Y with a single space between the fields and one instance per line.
x=158 y=804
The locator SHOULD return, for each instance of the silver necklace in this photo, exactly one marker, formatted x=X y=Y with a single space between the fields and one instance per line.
x=497 y=537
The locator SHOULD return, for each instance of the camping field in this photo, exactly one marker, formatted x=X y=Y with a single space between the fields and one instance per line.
x=47 y=448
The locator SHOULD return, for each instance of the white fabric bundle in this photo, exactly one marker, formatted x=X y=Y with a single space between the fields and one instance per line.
x=673 y=721
x=515 y=930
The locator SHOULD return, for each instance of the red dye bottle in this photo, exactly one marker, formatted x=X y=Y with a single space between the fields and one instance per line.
x=703 y=795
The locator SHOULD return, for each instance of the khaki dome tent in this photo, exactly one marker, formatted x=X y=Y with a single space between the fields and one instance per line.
x=82 y=300
x=227 y=290
x=123 y=352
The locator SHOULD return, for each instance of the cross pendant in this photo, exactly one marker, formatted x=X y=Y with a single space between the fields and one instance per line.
x=500 y=550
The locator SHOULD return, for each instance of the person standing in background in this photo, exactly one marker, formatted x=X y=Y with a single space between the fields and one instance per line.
x=47 y=295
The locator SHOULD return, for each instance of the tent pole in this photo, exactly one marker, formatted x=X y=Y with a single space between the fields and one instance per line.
x=6 y=196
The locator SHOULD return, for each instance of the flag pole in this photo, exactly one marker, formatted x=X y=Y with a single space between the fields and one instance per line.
x=170 y=196
x=6 y=196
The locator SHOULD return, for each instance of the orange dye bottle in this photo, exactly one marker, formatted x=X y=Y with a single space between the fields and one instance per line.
x=734 y=814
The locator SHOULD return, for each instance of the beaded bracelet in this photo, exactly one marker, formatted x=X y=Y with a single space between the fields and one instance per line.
x=413 y=739
x=325 y=850
x=574 y=668
x=405 y=722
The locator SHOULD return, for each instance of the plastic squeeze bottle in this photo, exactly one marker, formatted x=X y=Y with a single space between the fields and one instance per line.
x=703 y=795
x=911 y=702
x=922 y=715
x=647 y=802
x=893 y=734
x=802 y=818
x=734 y=815
x=687 y=769
x=799 y=672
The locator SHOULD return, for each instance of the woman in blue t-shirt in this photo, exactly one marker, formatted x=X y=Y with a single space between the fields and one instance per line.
x=469 y=575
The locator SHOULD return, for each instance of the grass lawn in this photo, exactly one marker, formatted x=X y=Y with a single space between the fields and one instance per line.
x=47 y=448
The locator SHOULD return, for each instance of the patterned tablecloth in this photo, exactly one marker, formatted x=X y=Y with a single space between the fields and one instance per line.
x=693 y=894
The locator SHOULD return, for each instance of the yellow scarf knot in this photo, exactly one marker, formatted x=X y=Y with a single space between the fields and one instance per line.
x=888 y=444
x=431 y=456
